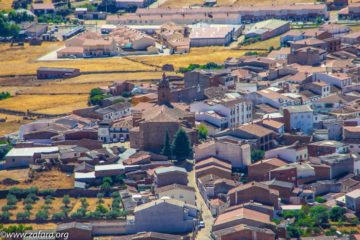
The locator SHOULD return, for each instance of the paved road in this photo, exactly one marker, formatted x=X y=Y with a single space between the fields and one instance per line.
x=203 y=234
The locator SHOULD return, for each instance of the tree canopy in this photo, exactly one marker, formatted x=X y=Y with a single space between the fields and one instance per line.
x=181 y=147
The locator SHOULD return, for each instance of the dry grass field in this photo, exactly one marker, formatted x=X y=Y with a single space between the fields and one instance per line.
x=42 y=103
x=18 y=175
x=23 y=60
x=12 y=124
x=44 y=180
x=36 y=226
x=56 y=206
x=197 y=55
x=112 y=77
x=355 y=28
x=5 y=4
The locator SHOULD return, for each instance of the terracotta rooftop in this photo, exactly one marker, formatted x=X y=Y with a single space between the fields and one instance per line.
x=256 y=130
x=272 y=123
x=272 y=161
x=242 y=213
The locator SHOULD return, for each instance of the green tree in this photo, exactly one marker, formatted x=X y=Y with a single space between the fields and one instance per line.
x=66 y=200
x=293 y=232
x=23 y=215
x=59 y=216
x=320 y=215
x=181 y=147
x=115 y=195
x=337 y=214
x=101 y=209
x=5 y=215
x=28 y=207
x=84 y=203
x=11 y=199
x=320 y=199
x=166 y=150
x=202 y=132
x=257 y=155
x=42 y=215
x=105 y=186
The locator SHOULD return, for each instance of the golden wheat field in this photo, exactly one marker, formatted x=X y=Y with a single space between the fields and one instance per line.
x=111 y=77
x=43 y=103
x=197 y=55
x=5 y=4
x=23 y=60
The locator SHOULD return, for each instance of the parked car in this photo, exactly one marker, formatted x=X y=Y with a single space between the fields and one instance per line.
x=201 y=224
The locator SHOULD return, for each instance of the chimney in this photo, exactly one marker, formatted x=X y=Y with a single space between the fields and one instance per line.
x=136 y=118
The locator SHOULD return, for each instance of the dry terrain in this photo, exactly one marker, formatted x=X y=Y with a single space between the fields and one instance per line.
x=23 y=60
x=36 y=226
x=12 y=124
x=189 y=3
x=45 y=103
x=44 y=180
x=56 y=205
x=197 y=55
x=5 y=4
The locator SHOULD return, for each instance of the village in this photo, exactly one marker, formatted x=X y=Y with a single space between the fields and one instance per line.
x=209 y=121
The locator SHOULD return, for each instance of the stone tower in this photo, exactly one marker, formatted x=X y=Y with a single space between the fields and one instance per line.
x=164 y=91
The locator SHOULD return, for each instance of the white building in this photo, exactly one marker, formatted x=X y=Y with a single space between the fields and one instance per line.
x=272 y=98
x=352 y=200
x=299 y=118
x=179 y=192
x=288 y=153
x=23 y=157
x=114 y=112
x=340 y=80
x=223 y=113
x=211 y=36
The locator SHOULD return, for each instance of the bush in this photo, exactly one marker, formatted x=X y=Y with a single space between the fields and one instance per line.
x=11 y=199
x=96 y=96
x=42 y=215
x=28 y=207
x=320 y=199
x=257 y=155
x=208 y=66
x=115 y=195
x=84 y=203
x=337 y=214
x=5 y=215
x=47 y=192
x=202 y=132
x=66 y=200
x=59 y=216
x=23 y=215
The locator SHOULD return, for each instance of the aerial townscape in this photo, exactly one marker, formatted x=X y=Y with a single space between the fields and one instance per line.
x=180 y=119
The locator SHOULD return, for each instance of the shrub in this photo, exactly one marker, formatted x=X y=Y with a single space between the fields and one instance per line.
x=23 y=215
x=59 y=216
x=11 y=199
x=320 y=199
x=66 y=200
x=42 y=215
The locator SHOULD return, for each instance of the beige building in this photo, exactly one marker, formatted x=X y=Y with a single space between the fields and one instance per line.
x=236 y=152
x=126 y=37
x=179 y=192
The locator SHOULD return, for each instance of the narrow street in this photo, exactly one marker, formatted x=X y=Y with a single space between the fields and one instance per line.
x=204 y=233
